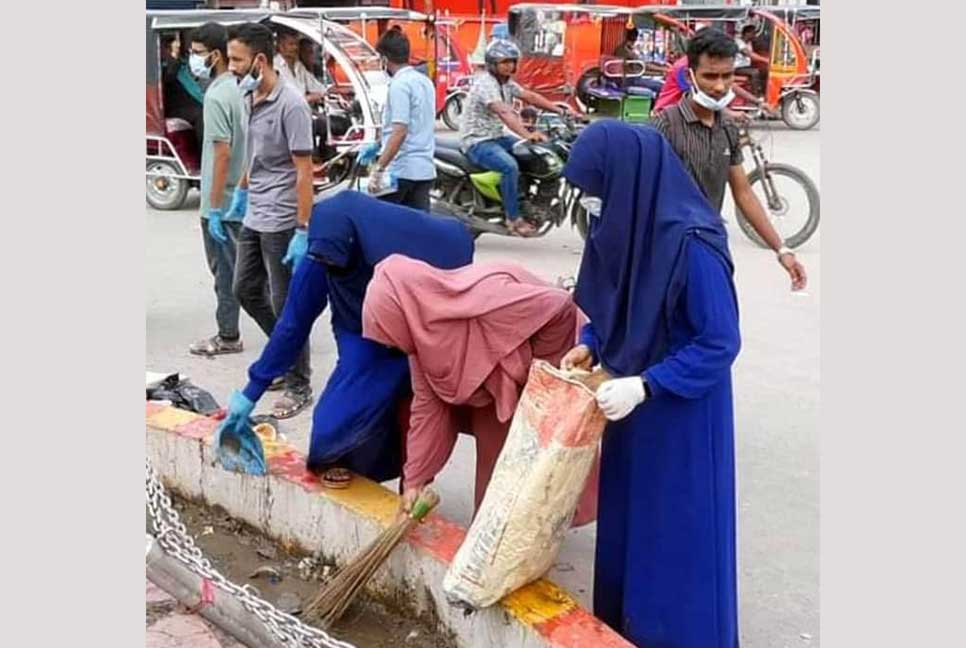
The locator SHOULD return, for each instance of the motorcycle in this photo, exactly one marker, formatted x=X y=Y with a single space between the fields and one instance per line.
x=472 y=194
x=453 y=106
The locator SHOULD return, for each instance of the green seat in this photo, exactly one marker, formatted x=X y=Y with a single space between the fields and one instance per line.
x=636 y=110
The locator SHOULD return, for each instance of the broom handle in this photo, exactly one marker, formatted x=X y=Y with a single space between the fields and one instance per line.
x=426 y=502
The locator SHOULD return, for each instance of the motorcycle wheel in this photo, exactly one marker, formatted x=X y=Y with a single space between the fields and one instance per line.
x=452 y=111
x=800 y=112
x=811 y=197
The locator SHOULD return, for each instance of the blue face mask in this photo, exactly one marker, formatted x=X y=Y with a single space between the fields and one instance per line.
x=249 y=82
x=198 y=67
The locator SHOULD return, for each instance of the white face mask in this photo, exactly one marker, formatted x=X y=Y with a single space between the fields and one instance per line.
x=592 y=204
x=198 y=66
x=707 y=101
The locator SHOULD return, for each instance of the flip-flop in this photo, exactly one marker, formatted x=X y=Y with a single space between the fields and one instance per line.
x=336 y=478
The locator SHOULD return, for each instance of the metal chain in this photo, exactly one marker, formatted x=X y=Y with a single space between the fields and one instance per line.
x=172 y=536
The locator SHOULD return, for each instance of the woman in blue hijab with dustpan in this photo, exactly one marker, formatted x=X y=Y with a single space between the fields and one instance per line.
x=656 y=282
x=355 y=423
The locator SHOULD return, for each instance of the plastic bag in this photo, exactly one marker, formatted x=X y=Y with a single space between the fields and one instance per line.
x=533 y=493
x=239 y=449
x=184 y=395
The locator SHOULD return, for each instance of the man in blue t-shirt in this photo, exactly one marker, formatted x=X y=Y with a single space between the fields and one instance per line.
x=408 y=140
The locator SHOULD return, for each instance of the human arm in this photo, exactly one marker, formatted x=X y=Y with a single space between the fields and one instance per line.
x=585 y=354
x=307 y=298
x=540 y=101
x=512 y=121
x=297 y=122
x=711 y=310
x=754 y=213
x=401 y=107
x=431 y=436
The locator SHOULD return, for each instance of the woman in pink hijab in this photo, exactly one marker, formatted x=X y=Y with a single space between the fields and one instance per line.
x=471 y=335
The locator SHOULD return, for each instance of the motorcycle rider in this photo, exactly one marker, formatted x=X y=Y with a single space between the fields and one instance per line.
x=488 y=108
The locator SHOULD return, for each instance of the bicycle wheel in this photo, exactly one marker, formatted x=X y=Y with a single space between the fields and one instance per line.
x=797 y=215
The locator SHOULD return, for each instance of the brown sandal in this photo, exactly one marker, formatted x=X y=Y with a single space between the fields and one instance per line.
x=337 y=478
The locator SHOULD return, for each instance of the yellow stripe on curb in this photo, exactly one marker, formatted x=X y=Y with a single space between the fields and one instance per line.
x=538 y=602
x=170 y=418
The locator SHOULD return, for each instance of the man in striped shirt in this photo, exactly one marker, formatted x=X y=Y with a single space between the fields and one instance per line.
x=708 y=144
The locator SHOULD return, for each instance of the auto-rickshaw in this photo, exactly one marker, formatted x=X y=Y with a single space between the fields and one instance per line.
x=433 y=46
x=353 y=104
x=789 y=76
x=805 y=22
x=562 y=45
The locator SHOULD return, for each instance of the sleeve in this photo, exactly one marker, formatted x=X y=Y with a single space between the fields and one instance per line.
x=710 y=307
x=298 y=127
x=217 y=118
x=588 y=336
x=514 y=89
x=307 y=298
x=660 y=124
x=400 y=102
x=432 y=432
x=737 y=157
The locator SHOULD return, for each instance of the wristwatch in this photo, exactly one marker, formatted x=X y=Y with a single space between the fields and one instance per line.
x=783 y=250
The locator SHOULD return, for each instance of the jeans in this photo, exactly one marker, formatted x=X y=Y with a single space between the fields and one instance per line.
x=411 y=193
x=221 y=262
x=495 y=155
x=261 y=286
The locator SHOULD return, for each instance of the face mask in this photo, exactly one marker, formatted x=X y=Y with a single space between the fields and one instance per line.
x=592 y=204
x=707 y=101
x=196 y=63
x=249 y=82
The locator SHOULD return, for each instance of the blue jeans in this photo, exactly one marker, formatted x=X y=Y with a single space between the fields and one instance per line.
x=495 y=155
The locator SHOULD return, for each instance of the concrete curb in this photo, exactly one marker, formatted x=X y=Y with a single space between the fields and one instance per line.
x=291 y=506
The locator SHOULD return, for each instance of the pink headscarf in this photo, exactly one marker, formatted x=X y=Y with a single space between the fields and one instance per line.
x=470 y=328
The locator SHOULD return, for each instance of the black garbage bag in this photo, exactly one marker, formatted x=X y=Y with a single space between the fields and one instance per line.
x=184 y=395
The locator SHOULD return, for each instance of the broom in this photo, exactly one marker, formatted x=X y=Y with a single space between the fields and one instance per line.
x=338 y=593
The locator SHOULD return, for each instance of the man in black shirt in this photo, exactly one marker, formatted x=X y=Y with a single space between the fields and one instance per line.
x=708 y=144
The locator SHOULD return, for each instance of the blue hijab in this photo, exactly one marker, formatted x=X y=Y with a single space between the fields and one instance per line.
x=634 y=263
x=351 y=232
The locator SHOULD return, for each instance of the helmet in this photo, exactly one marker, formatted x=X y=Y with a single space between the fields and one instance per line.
x=501 y=49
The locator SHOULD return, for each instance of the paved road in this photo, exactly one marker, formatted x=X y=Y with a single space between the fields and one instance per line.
x=776 y=382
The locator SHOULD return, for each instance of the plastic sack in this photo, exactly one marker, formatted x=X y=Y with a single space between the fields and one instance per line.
x=533 y=493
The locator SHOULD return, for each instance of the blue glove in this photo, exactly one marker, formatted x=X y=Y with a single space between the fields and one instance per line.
x=239 y=204
x=215 y=226
x=368 y=154
x=239 y=408
x=237 y=446
x=297 y=248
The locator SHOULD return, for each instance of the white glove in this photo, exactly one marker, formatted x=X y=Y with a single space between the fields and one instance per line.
x=618 y=397
x=377 y=181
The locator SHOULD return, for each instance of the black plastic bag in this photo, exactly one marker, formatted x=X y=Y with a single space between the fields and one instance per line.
x=184 y=395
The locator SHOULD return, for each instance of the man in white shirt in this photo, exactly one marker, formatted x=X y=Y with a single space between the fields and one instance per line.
x=288 y=65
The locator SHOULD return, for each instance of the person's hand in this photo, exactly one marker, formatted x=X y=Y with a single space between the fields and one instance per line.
x=409 y=497
x=536 y=137
x=578 y=357
x=795 y=270
x=739 y=117
x=297 y=248
x=239 y=204
x=377 y=181
x=215 y=227
x=314 y=97
x=368 y=153
x=618 y=397
x=239 y=409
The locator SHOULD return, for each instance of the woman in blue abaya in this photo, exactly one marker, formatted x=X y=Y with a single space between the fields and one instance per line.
x=656 y=282
x=355 y=423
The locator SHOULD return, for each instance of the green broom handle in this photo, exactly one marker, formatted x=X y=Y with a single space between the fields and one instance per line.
x=427 y=502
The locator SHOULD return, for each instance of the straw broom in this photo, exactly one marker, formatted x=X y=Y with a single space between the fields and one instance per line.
x=338 y=593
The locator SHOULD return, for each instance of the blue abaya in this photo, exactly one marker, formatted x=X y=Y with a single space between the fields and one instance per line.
x=354 y=423
x=656 y=284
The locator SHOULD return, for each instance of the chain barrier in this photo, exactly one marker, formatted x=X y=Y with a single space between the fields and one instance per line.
x=172 y=536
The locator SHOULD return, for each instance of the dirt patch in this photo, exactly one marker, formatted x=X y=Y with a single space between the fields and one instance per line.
x=246 y=556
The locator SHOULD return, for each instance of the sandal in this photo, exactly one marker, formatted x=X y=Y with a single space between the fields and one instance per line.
x=337 y=478
x=216 y=345
x=520 y=227
x=291 y=403
x=277 y=384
